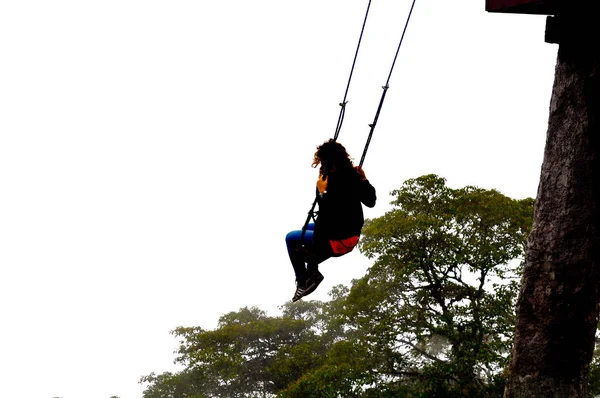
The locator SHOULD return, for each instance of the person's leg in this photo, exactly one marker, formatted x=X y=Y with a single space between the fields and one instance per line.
x=305 y=256
x=322 y=252
x=294 y=243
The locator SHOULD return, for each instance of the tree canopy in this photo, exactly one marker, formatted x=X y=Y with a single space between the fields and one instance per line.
x=432 y=317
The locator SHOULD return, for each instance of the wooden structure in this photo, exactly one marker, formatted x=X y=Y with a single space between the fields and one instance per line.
x=543 y=7
x=568 y=20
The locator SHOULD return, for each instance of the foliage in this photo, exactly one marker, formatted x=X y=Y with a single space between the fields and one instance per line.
x=249 y=354
x=440 y=294
x=594 y=370
x=433 y=316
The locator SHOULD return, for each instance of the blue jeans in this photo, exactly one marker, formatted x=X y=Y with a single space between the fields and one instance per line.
x=305 y=255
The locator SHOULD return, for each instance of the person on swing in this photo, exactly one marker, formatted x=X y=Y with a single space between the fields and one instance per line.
x=342 y=189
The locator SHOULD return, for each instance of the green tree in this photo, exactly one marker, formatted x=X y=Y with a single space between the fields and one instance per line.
x=434 y=314
x=593 y=382
x=249 y=354
x=189 y=383
x=347 y=364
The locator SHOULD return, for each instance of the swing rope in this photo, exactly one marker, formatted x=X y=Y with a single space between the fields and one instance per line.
x=311 y=213
x=385 y=88
x=338 y=128
x=340 y=121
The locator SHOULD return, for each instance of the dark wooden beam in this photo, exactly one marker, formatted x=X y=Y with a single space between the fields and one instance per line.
x=541 y=7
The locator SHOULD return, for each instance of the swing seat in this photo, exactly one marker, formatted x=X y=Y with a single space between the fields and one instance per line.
x=338 y=249
x=343 y=246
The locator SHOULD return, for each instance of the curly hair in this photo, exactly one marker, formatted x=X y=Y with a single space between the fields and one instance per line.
x=332 y=153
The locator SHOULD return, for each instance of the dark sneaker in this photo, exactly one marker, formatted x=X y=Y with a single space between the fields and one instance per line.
x=313 y=282
x=300 y=291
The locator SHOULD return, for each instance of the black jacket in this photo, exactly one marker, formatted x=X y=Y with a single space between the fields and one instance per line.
x=340 y=208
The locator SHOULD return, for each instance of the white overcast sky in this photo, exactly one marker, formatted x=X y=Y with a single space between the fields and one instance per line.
x=153 y=155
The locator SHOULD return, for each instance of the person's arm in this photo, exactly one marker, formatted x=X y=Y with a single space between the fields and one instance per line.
x=368 y=195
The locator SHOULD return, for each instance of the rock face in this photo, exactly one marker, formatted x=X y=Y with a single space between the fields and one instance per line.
x=557 y=310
